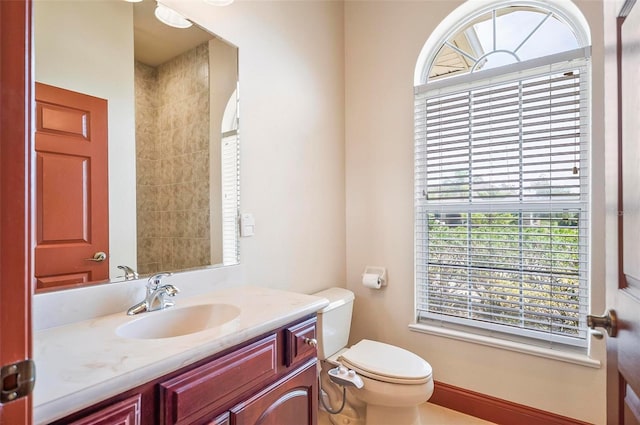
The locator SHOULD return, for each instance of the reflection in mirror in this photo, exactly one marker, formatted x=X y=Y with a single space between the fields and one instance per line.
x=180 y=96
x=173 y=168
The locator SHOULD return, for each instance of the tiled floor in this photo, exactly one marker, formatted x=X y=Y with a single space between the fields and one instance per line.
x=430 y=414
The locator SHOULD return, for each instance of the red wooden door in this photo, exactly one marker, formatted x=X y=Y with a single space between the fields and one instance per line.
x=15 y=147
x=72 y=217
x=623 y=352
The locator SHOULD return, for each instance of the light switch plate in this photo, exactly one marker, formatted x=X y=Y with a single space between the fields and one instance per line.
x=247 y=224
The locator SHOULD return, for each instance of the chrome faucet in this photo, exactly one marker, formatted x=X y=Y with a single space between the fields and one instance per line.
x=158 y=295
x=129 y=273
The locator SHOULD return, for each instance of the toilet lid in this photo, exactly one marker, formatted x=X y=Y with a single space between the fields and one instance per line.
x=386 y=363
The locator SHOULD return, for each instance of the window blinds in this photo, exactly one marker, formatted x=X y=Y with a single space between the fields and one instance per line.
x=230 y=171
x=501 y=219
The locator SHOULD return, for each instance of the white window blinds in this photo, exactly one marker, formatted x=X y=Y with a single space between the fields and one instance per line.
x=501 y=220
x=230 y=171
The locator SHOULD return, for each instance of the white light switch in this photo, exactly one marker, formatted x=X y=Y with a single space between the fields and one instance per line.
x=247 y=224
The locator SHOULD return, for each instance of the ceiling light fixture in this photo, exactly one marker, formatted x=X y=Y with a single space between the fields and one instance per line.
x=171 y=17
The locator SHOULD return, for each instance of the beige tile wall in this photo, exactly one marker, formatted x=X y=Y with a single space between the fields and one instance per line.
x=172 y=147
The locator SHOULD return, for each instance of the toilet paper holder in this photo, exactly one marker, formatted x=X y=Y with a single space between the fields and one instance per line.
x=371 y=272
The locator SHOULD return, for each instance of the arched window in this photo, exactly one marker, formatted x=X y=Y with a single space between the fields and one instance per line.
x=502 y=174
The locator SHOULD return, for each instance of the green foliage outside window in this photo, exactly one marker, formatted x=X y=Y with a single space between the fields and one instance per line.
x=518 y=268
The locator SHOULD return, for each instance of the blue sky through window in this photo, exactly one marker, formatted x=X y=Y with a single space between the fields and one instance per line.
x=553 y=36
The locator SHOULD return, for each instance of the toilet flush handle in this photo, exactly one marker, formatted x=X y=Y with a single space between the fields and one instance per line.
x=311 y=341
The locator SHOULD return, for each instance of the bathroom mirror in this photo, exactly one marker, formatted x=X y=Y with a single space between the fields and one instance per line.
x=173 y=161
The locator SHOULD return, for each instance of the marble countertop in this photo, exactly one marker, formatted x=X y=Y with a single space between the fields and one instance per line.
x=82 y=363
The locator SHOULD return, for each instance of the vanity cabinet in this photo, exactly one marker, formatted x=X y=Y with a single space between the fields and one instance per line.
x=269 y=380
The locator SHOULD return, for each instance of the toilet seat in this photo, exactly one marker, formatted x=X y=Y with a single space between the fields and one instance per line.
x=386 y=363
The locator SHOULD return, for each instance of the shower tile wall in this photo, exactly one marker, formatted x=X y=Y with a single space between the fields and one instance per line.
x=172 y=146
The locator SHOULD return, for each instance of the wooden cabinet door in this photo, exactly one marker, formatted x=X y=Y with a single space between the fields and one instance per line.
x=72 y=207
x=290 y=401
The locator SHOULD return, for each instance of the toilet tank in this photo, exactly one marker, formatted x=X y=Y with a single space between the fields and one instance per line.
x=334 y=321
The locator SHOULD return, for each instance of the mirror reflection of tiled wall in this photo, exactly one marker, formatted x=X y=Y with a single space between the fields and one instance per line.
x=172 y=148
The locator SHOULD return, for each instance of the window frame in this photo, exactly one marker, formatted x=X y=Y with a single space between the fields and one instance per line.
x=477 y=80
x=467 y=12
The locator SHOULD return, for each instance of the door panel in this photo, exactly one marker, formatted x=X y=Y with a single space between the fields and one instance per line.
x=624 y=351
x=15 y=148
x=72 y=221
x=64 y=120
x=63 y=214
x=628 y=308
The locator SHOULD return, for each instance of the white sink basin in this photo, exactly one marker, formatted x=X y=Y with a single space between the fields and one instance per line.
x=179 y=321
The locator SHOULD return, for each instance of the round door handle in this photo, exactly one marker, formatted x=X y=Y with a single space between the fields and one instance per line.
x=311 y=341
x=98 y=257
x=608 y=321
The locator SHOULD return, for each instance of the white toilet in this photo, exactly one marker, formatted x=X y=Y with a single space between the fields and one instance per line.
x=396 y=381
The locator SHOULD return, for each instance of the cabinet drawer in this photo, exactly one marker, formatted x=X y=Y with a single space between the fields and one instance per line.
x=211 y=386
x=299 y=345
x=123 y=412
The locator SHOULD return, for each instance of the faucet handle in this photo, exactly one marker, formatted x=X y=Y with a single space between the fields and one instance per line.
x=170 y=290
x=166 y=292
x=156 y=280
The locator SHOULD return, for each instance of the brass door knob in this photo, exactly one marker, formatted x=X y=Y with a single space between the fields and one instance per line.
x=98 y=257
x=608 y=321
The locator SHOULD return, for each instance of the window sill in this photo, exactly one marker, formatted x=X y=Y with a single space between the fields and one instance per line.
x=574 y=358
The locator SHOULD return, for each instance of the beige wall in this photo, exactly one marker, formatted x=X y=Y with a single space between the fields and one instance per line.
x=382 y=43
